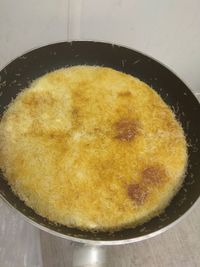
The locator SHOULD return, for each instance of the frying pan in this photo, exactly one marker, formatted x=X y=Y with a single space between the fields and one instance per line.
x=21 y=71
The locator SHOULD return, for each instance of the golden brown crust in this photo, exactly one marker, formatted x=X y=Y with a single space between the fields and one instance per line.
x=93 y=148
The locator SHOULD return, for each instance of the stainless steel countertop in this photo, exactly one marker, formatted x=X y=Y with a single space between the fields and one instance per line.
x=167 y=30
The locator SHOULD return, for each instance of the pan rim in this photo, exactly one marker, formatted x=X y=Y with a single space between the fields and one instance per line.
x=99 y=242
x=106 y=43
x=82 y=239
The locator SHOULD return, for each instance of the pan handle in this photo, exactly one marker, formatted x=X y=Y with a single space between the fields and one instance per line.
x=89 y=256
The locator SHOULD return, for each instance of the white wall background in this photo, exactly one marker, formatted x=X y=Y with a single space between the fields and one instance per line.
x=168 y=30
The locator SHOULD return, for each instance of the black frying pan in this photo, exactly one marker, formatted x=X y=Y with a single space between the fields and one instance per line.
x=20 y=72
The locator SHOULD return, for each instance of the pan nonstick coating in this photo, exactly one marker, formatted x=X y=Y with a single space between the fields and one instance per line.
x=20 y=72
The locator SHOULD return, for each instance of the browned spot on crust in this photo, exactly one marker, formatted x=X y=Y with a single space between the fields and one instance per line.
x=138 y=193
x=126 y=129
x=125 y=94
x=76 y=117
x=97 y=130
x=75 y=112
x=57 y=134
x=153 y=175
x=79 y=95
x=36 y=131
x=34 y=100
